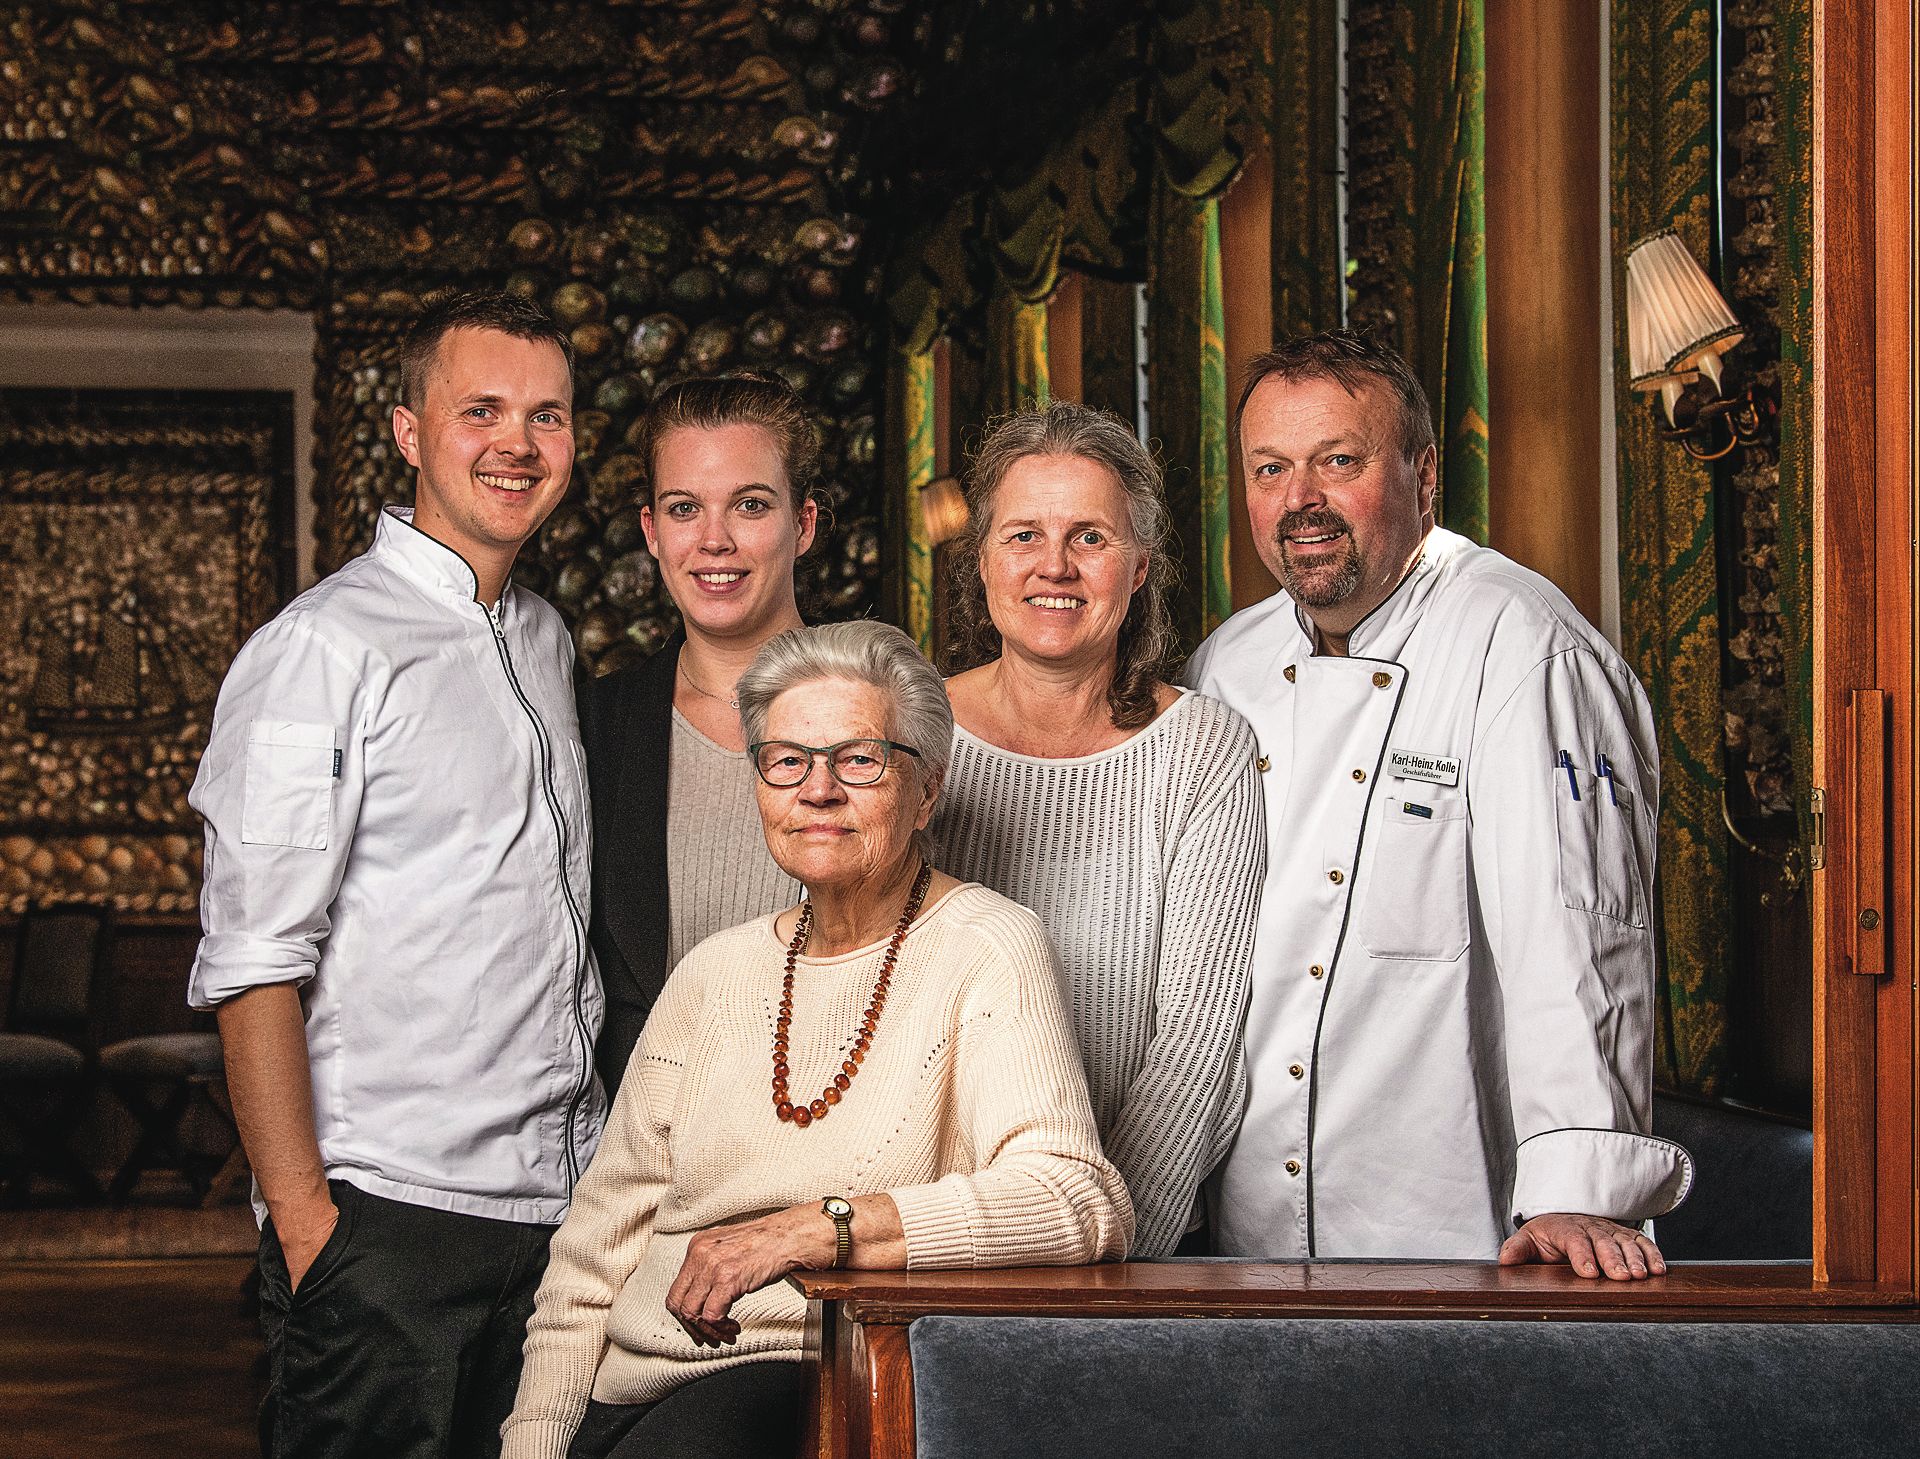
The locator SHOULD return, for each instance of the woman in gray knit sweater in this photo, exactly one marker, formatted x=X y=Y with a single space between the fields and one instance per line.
x=1125 y=812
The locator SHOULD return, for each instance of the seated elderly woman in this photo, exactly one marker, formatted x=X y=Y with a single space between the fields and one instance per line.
x=883 y=1076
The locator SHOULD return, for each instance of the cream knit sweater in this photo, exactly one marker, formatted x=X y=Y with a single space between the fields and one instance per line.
x=970 y=1111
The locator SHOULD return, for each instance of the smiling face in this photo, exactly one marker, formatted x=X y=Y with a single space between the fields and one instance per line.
x=724 y=528
x=1338 y=511
x=830 y=836
x=1059 y=561
x=492 y=441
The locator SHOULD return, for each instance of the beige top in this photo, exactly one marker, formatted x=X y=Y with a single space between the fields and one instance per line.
x=970 y=1110
x=719 y=871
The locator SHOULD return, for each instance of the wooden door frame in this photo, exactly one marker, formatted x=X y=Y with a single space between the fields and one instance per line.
x=1864 y=516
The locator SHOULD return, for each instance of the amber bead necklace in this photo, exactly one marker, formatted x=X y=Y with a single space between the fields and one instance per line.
x=802 y=1115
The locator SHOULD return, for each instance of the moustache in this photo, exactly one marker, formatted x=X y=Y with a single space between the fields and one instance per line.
x=1320 y=519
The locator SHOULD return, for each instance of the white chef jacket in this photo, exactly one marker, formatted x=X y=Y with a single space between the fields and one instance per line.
x=396 y=818
x=1451 y=1022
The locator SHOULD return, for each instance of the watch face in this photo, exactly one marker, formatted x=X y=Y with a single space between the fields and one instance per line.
x=836 y=1207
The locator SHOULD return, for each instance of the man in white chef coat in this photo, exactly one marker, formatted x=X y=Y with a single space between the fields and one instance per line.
x=1449 y=1042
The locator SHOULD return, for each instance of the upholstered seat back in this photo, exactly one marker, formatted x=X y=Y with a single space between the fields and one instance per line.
x=1752 y=1197
x=60 y=962
x=1359 y=1388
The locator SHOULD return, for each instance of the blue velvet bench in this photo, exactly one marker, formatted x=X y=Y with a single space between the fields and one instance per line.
x=1334 y=1359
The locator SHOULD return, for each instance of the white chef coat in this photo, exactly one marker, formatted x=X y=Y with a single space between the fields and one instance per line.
x=396 y=818
x=1451 y=1022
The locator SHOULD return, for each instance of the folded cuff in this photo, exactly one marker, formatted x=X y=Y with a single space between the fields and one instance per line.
x=537 y=1439
x=229 y=963
x=933 y=1219
x=1625 y=1177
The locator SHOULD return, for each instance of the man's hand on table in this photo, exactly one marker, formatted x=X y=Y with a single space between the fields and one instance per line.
x=1592 y=1245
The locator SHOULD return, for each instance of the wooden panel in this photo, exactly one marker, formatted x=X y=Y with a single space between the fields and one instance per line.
x=1247 y=1289
x=1867 y=830
x=1897 y=1208
x=1246 y=271
x=889 y=1394
x=1846 y=1148
x=1543 y=289
x=1063 y=339
x=823 y=1402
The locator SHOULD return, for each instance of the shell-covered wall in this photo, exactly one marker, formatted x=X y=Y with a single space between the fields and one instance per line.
x=681 y=183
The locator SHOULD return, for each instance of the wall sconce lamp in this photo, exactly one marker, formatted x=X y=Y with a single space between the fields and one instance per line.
x=943 y=507
x=1678 y=329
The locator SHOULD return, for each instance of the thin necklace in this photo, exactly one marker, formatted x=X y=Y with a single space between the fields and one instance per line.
x=802 y=1115
x=733 y=703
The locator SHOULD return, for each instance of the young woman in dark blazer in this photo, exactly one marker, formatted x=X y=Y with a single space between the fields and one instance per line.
x=678 y=851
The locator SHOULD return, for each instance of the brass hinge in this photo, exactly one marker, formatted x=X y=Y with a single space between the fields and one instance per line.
x=1817 y=852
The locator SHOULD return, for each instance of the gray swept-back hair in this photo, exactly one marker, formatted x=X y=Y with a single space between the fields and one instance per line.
x=865 y=653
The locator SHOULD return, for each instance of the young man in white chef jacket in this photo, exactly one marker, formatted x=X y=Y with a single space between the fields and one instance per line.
x=1449 y=1041
x=396 y=922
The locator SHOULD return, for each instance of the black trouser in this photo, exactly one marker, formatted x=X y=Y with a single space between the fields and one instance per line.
x=748 y=1412
x=403 y=1341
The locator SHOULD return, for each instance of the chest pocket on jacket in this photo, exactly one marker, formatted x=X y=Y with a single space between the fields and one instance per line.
x=289 y=787
x=1599 y=871
x=1415 y=906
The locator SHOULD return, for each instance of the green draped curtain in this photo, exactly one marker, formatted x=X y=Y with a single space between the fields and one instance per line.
x=1418 y=218
x=1187 y=401
x=1793 y=254
x=916 y=395
x=1017 y=374
x=1306 y=168
x=1197 y=159
x=1663 y=176
x=1450 y=251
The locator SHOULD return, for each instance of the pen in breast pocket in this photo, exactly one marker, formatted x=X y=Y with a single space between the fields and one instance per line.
x=1566 y=764
x=1603 y=769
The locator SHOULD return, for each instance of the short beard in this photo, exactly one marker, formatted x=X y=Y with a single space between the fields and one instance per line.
x=1326 y=584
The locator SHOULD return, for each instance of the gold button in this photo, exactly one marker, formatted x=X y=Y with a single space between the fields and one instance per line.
x=1317 y=971
x=1382 y=680
x=1293 y=1167
x=1335 y=877
x=1288 y=671
x=1263 y=764
x=1296 y=1071
x=1361 y=776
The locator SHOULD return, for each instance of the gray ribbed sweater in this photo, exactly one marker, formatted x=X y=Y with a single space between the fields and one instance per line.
x=1144 y=864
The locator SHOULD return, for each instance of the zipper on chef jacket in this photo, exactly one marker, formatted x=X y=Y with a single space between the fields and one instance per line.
x=574 y=920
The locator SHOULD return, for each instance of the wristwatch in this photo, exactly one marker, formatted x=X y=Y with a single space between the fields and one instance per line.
x=839 y=1210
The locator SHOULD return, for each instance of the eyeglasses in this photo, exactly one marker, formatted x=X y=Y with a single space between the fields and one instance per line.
x=783 y=764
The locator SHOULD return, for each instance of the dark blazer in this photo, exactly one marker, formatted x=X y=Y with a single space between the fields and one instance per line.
x=626 y=727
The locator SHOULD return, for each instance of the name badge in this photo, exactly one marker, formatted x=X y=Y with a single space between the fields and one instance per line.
x=1417 y=765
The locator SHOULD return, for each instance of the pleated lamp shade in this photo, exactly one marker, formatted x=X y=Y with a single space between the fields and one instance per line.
x=1678 y=325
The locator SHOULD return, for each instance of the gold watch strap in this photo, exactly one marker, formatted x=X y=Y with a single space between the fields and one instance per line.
x=842 y=1229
